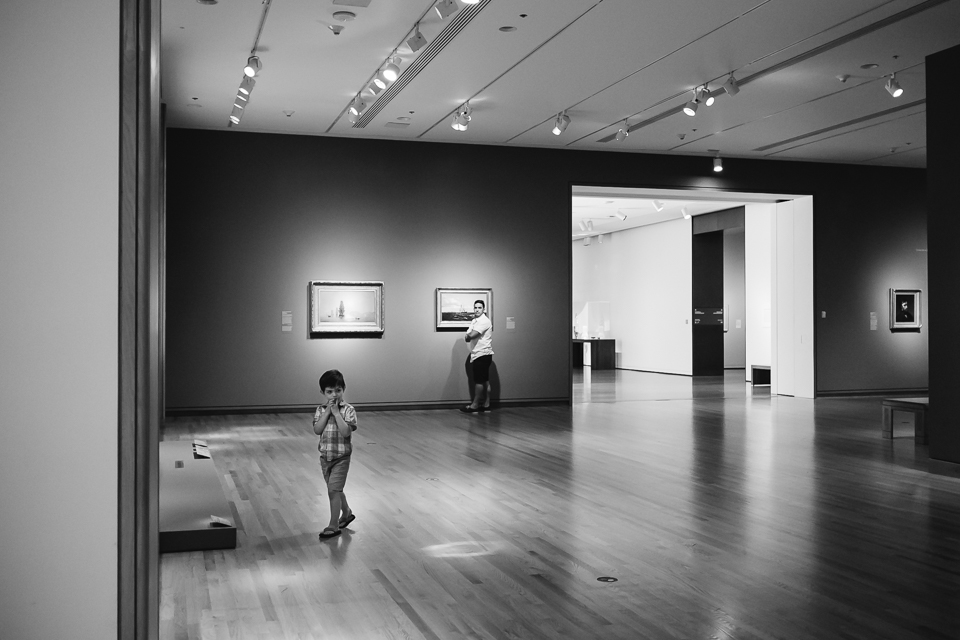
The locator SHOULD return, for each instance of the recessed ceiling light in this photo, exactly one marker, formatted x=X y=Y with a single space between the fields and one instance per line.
x=344 y=16
x=508 y=29
x=403 y=118
x=869 y=65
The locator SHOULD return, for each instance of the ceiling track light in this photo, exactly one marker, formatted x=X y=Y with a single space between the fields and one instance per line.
x=691 y=107
x=893 y=87
x=583 y=225
x=586 y=241
x=357 y=106
x=685 y=213
x=247 y=84
x=731 y=86
x=391 y=71
x=623 y=132
x=600 y=238
x=416 y=41
x=461 y=119
x=235 y=115
x=253 y=66
x=446 y=8
x=589 y=225
x=658 y=205
x=620 y=215
x=708 y=98
x=718 y=164
x=563 y=120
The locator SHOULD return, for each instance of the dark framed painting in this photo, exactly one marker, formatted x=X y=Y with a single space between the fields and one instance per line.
x=455 y=307
x=905 y=310
x=350 y=308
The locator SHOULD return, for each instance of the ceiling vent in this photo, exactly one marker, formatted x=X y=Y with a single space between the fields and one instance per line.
x=427 y=54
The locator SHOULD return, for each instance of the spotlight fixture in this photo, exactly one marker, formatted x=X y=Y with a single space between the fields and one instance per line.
x=247 y=84
x=702 y=94
x=242 y=99
x=600 y=238
x=561 y=124
x=583 y=226
x=416 y=41
x=390 y=70
x=589 y=225
x=357 y=106
x=235 y=115
x=658 y=205
x=352 y=117
x=691 y=107
x=586 y=241
x=620 y=214
x=445 y=8
x=717 y=164
x=685 y=213
x=893 y=87
x=379 y=82
x=623 y=132
x=253 y=66
x=461 y=119
x=731 y=86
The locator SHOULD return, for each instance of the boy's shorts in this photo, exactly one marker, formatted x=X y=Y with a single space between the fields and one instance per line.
x=335 y=472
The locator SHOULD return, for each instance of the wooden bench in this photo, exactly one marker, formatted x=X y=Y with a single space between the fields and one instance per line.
x=916 y=406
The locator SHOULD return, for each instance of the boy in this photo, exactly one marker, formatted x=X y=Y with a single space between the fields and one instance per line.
x=335 y=421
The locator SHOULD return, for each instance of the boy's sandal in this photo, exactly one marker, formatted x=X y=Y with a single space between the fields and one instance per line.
x=329 y=532
x=344 y=522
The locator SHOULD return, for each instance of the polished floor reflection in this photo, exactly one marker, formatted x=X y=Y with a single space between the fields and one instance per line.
x=721 y=512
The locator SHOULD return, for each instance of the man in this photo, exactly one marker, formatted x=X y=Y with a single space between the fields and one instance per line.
x=904 y=313
x=481 y=357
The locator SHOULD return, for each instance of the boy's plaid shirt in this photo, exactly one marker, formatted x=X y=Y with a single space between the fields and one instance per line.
x=333 y=444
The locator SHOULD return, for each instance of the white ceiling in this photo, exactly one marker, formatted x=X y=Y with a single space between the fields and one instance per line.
x=603 y=61
x=612 y=209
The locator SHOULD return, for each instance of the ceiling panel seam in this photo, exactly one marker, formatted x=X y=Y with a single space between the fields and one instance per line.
x=781 y=112
x=853 y=35
x=843 y=125
x=458 y=24
x=515 y=65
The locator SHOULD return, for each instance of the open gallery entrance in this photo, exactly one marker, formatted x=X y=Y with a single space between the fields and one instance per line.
x=694 y=283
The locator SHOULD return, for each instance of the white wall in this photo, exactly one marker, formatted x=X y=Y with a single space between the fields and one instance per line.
x=793 y=354
x=645 y=274
x=734 y=300
x=58 y=318
x=758 y=240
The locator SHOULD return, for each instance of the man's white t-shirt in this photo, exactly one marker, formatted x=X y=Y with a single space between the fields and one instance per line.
x=484 y=344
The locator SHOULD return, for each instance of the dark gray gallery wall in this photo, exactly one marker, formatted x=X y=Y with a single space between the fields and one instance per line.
x=252 y=218
x=943 y=167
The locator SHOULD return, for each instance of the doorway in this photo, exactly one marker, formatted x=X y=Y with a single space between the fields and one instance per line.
x=633 y=249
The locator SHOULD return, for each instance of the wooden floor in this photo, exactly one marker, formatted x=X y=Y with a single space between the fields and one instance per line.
x=722 y=513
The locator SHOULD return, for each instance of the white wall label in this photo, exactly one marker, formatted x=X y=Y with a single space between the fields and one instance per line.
x=739 y=323
x=511 y=323
x=286 y=321
x=873 y=321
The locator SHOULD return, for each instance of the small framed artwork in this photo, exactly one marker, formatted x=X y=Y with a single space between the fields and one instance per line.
x=346 y=308
x=455 y=307
x=905 y=310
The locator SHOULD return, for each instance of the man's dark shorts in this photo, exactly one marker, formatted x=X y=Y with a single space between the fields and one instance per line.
x=481 y=369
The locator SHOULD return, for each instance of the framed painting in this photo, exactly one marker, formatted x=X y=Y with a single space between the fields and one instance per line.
x=455 y=307
x=346 y=308
x=905 y=310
